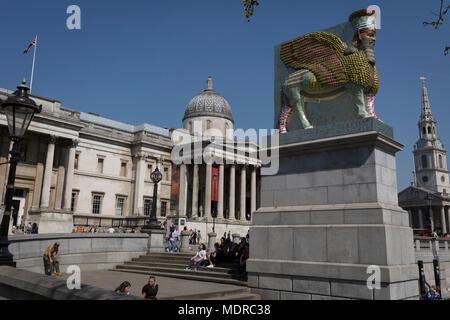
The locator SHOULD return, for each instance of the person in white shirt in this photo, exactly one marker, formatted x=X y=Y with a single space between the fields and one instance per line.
x=173 y=239
x=199 y=258
x=111 y=230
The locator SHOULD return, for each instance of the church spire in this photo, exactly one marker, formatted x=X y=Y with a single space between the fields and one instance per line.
x=426 y=109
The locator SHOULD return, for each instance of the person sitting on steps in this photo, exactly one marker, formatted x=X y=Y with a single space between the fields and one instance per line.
x=199 y=258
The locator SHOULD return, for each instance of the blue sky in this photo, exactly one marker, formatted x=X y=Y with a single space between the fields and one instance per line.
x=142 y=61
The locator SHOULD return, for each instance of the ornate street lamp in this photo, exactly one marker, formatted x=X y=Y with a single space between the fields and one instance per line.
x=19 y=110
x=156 y=177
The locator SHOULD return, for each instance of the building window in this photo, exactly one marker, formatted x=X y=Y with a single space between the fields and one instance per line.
x=166 y=173
x=163 y=208
x=425 y=179
x=123 y=169
x=149 y=171
x=208 y=124
x=100 y=165
x=97 y=203
x=441 y=163
x=148 y=206
x=424 y=131
x=75 y=163
x=424 y=162
x=73 y=201
x=120 y=205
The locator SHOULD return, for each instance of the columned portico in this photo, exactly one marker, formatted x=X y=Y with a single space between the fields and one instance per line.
x=45 y=201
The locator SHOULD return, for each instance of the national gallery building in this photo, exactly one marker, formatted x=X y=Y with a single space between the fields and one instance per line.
x=80 y=169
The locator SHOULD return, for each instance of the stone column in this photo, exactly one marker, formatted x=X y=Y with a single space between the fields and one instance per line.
x=410 y=218
x=444 y=223
x=420 y=218
x=448 y=218
x=243 y=193
x=182 y=192
x=69 y=174
x=139 y=185
x=432 y=218
x=45 y=202
x=37 y=186
x=208 y=177
x=253 y=191
x=232 y=193
x=62 y=159
x=195 y=191
x=221 y=192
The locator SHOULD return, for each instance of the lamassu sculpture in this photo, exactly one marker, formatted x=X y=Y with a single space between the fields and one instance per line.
x=326 y=68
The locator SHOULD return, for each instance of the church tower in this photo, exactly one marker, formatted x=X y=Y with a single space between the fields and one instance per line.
x=430 y=156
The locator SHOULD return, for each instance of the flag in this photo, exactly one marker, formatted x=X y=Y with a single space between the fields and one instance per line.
x=33 y=43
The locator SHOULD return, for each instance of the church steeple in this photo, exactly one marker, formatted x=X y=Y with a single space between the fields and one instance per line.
x=427 y=124
x=430 y=156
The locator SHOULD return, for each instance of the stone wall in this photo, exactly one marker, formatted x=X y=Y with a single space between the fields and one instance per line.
x=90 y=251
x=16 y=284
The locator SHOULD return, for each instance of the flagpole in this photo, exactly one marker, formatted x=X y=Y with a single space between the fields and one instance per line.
x=32 y=68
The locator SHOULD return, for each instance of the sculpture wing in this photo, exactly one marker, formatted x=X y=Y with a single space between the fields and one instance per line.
x=319 y=52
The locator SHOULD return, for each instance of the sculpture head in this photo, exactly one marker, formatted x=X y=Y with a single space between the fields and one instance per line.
x=364 y=26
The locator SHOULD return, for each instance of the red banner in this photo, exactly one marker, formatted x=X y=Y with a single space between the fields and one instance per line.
x=215 y=184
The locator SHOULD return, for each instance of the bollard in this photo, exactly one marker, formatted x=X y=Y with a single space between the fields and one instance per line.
x=211 y=241
x=423 y=290
x=437 y=275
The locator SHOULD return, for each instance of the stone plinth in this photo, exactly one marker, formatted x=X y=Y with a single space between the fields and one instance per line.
x=155 y=239
x=211 y=240
x=185 y=241
x=52 y=221
x=329 y=214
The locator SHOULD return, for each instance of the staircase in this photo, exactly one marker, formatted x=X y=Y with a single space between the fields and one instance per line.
x=173 y=265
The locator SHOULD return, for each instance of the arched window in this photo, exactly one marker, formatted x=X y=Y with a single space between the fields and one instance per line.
x=429 y=130
x=441 y=164
x=424 y=162
x=424 y=131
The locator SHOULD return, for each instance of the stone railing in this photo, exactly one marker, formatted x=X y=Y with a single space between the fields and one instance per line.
x=428 y=248
x=89 y=251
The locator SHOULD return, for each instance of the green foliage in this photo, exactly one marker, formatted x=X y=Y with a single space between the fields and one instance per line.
x=249 y=8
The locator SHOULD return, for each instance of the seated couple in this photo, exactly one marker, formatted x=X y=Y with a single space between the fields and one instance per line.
x=200 y=258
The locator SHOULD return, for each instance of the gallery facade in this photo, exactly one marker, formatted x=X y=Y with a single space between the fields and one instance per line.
x=80 y=169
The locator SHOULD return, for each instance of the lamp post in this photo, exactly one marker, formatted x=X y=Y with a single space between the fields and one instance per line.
x=19 y=110
x=156 y=177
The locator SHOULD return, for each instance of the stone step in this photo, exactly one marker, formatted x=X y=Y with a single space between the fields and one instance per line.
x=187 y=276
x=152 y=260
x=180 y=266
x=205 y=273
x=239 y=294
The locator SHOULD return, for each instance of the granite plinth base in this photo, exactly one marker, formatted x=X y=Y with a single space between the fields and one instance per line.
x=329 y=214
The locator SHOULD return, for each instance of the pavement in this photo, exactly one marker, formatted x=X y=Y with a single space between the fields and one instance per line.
x=168 y=287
